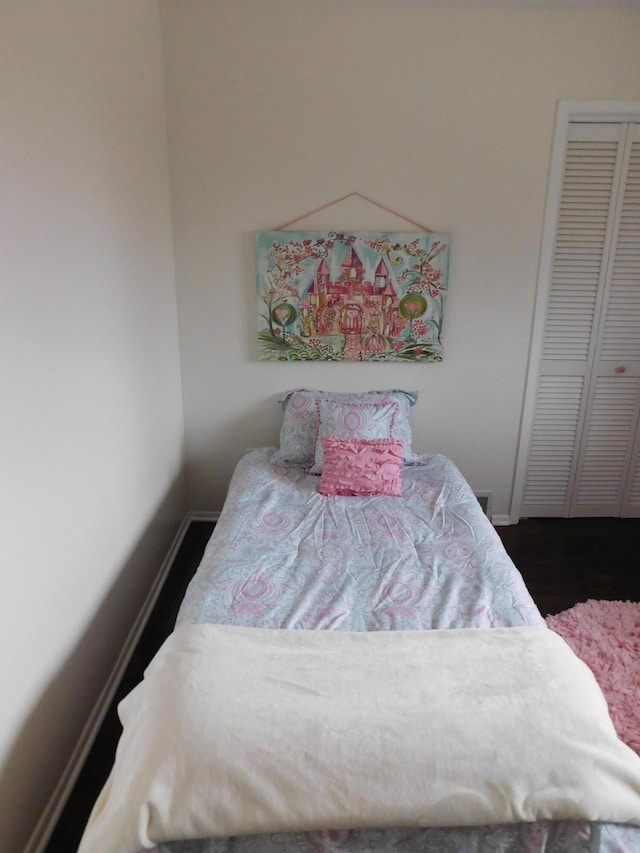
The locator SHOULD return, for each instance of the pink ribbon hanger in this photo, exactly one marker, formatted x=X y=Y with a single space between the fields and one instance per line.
x=344 y=198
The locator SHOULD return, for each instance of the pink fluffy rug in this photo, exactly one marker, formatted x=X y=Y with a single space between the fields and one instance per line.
x=606 y=636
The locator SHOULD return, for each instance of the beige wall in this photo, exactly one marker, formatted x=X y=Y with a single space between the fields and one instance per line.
x=273 y=109
x=444 y=115
x=91 y=490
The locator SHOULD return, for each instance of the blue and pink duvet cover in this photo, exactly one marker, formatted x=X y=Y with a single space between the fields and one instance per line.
x=284 y=556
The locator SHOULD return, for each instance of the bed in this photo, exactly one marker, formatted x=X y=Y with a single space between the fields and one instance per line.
x=343 y=535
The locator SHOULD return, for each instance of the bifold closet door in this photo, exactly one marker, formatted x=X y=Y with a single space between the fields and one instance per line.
x=585 y=443
x=608 y=475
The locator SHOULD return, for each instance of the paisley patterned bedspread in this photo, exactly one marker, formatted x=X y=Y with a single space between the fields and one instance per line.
x=284 y=556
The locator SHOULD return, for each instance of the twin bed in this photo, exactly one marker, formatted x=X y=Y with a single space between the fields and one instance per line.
x=331 y=684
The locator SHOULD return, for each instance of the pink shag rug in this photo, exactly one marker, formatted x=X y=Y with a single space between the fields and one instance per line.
x=606 y=636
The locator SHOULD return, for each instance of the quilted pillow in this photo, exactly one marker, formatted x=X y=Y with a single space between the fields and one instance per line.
x=361 y=466
x=300 y=423
x=370 y=419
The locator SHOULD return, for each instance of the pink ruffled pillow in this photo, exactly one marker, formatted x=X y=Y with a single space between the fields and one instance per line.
x=358 y=466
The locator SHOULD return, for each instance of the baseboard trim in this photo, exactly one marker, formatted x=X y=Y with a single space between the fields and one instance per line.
x=196 y=515
x=50 y=816
x=500 y=520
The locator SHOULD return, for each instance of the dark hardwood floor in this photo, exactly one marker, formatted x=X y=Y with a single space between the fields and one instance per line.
x=562 y=562
x=68 y=831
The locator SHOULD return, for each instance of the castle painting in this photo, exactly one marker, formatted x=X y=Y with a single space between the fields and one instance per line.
x=339 y=296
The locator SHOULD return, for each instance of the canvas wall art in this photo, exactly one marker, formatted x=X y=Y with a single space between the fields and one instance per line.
x=345 y=296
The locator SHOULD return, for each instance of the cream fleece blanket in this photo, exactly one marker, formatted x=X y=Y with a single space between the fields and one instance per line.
x=248 y=730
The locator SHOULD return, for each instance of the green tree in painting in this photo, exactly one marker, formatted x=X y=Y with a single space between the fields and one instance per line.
x=412 y=306
x=284 y=314
x=422 y=279
x=273 y=298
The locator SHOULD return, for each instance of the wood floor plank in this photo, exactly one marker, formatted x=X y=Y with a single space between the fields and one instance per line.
x=564 y=561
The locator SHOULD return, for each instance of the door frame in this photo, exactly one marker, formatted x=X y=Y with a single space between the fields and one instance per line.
x=566 y=112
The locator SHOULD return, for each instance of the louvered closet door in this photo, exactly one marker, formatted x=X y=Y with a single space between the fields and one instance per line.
x=566 y=462
x=626 y=278
x=608 y=479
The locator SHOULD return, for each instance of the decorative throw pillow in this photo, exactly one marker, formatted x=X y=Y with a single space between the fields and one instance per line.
x=361 y=466
x=300 y=423
x=370 y=419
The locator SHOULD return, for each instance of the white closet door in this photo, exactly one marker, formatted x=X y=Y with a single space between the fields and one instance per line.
x=631 y=504
x=594 y=163
x=627 y=277
x=607 y=460
x=604 y=462
x=622 y=324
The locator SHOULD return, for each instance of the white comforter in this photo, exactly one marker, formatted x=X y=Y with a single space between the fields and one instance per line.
x=243 y=730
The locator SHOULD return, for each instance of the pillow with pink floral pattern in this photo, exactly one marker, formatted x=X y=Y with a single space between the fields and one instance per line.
x=357 y=466
x=376 y=418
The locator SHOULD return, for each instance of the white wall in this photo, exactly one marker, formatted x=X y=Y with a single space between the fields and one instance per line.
x=91 y=448
x=274 y=108
x=445 y=115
